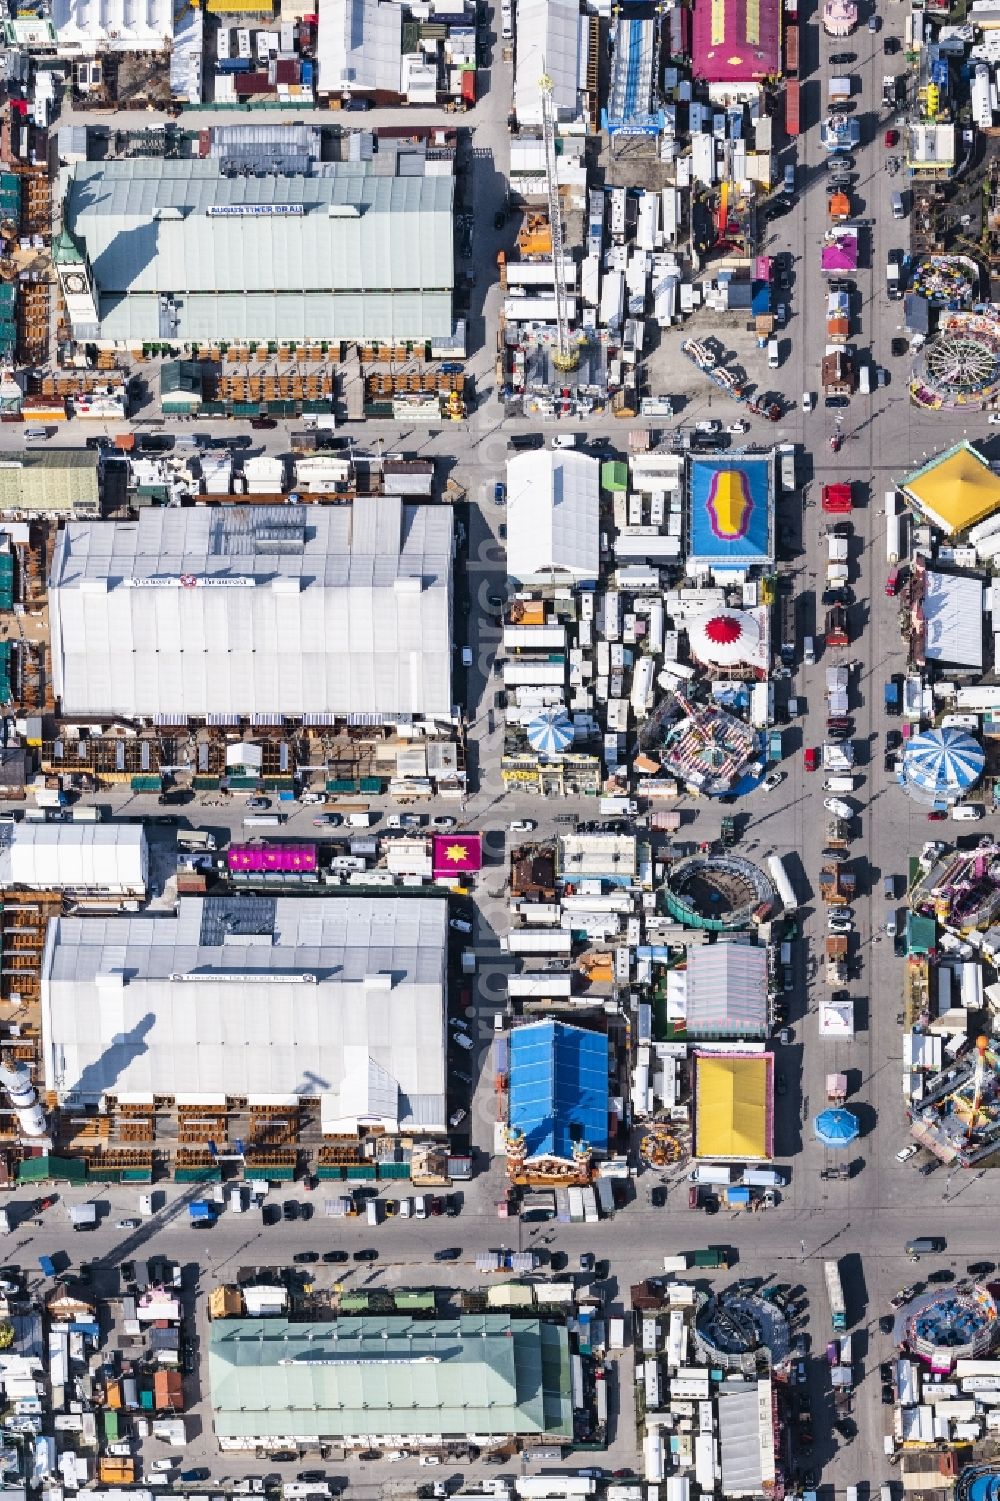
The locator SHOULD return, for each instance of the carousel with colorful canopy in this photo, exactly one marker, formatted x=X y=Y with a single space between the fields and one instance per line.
x=724 y=638
x=836 y=1127
x=550 y=733
x=941 y=765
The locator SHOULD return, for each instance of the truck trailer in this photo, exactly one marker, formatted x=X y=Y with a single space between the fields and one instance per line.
x=835 y=1294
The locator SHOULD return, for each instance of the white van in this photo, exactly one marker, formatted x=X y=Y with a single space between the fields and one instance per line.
x=809 y=651
x=967 y=810
x=236 y=1198
x=898 y=212
x=772 y=354
x=405 y=1207
x=420 y=1206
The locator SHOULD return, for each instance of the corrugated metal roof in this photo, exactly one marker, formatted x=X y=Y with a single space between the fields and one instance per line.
x=344 y=609
x=559 y=1087
x=63 y=479
x=746 y=1441
x=727 y=991
x=553 y=514
x=487 y=1373
x=309 y=993
x=368 y=256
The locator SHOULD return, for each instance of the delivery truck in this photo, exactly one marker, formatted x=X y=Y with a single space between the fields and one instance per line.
x=892 y=528
x=835 y=1295
x=718 y=1173
x=781 y=879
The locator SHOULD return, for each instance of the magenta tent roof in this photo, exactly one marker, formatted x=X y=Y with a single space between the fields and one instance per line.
x=283 y=857
x=736 y=41
x=842 y=255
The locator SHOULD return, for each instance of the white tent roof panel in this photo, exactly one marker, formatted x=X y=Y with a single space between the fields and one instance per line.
x=256 y=610
x=552 y=40
x=76 y=856
x=341 y=999
x=553 y=514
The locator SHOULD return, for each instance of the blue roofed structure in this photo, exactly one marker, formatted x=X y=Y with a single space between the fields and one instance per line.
x=731 y=511
x=559 y=1088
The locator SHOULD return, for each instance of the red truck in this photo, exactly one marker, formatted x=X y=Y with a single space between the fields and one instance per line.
x=791 y=50
x=836 y=633
x=836 y=499
x=792 y=107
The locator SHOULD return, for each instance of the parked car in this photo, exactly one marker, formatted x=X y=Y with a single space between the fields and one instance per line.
x=366 y=1254
x=328 y=821
x=443 y=821
x=523 y=826
x=891 y=138
x=333 y=1257
x=905 y=1153
x=810 y=757
x=772 y=780
x=258 y=804
x=290 y=1210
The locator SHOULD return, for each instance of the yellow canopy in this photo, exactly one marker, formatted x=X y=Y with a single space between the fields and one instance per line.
x=731 y=1107
x=955 y=490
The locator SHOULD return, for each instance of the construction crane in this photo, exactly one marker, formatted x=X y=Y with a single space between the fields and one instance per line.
x=566 y=357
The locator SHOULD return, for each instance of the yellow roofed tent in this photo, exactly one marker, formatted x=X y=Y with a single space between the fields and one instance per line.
x=733 y=1106
x=955 y=490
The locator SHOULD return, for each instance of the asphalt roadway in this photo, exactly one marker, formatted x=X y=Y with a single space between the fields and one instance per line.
x=865 y=1220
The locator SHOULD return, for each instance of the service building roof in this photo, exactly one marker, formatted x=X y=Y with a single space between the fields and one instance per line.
x=311 y=611
x=479 y=1373
x=339 y=999
x=60 y=480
